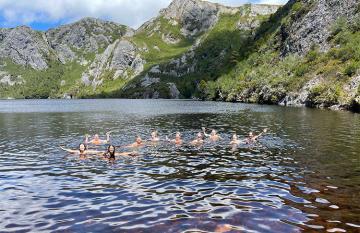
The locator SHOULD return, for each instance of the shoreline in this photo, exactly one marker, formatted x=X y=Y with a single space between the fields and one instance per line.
x=339 y=107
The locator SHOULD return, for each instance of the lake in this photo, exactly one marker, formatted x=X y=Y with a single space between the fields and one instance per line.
x=303 y=175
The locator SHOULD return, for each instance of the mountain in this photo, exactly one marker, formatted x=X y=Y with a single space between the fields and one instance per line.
x=36 y=64
x=303 y=53
x=307 y=53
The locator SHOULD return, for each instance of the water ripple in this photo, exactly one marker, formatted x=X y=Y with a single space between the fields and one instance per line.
x=302 y=176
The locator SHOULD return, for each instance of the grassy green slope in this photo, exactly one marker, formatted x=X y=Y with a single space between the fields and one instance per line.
x=43 y=84
x=215 y=56
x=151 y=38
x=154 y=51
x=58 y=79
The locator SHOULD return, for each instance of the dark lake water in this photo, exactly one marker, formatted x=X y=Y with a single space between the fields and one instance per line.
x=304 y=175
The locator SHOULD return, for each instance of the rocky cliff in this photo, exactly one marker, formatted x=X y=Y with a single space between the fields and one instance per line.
x=88 y=35
x=313 y=25
x=306 y=54
x=303 y=53
x=24 y=46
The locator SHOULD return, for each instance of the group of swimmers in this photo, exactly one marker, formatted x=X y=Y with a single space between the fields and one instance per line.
x=110 y=154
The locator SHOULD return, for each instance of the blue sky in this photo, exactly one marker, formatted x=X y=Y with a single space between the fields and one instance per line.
x=44 y=14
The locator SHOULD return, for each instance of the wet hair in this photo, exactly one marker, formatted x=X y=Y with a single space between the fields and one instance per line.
x=85 y=147
x=109 y=153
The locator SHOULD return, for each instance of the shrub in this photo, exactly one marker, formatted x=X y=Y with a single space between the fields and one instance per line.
x=327 y=94
x=297 y=6
x=339 y=26
x=312 y=55
x=301 y=70
x=351 y=69
x=343 y=54
x=355 y=24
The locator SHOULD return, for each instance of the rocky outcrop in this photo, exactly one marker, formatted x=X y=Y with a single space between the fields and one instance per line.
x=148 y=81
x=301 y=97
x=35 y=49
x=119 y=57
x=173 y=91
x=87 y=35
x=170 y=38
x=262 y=9
x=24 y=46
x=352 y=87
x=194 y=16
x=314 y=28
x=125 y=57
x=92 y=75
x=10 y=80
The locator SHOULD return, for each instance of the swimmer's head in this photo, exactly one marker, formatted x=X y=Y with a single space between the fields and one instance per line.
x=138 y=140
x=251 y=134
x=178 y=135
x=96 y=136
x=234 y=137
x=154 y=134
x=213 y=132
x=111 y=151
x=82 y=147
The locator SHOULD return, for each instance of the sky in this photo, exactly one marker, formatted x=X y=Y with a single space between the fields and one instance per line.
x=44 y=14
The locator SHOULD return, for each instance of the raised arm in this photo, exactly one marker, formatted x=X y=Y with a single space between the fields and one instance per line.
x=86 y=139
x=108 y=136
x=260 y=134
x=69 y=150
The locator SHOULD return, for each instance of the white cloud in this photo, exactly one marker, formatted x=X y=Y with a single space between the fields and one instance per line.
x=129 y=12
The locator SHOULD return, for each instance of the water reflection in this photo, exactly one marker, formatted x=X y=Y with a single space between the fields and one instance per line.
x=303 y=175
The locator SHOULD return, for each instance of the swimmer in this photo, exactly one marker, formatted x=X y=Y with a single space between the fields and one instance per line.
x=81 y=151
x=138 y=143
x=177 y=140
x=213 y=135
x=154 y=136
x=96 y=139
x=253 y=138
x=198 y=141
x=111 y=153
x=235 y=140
